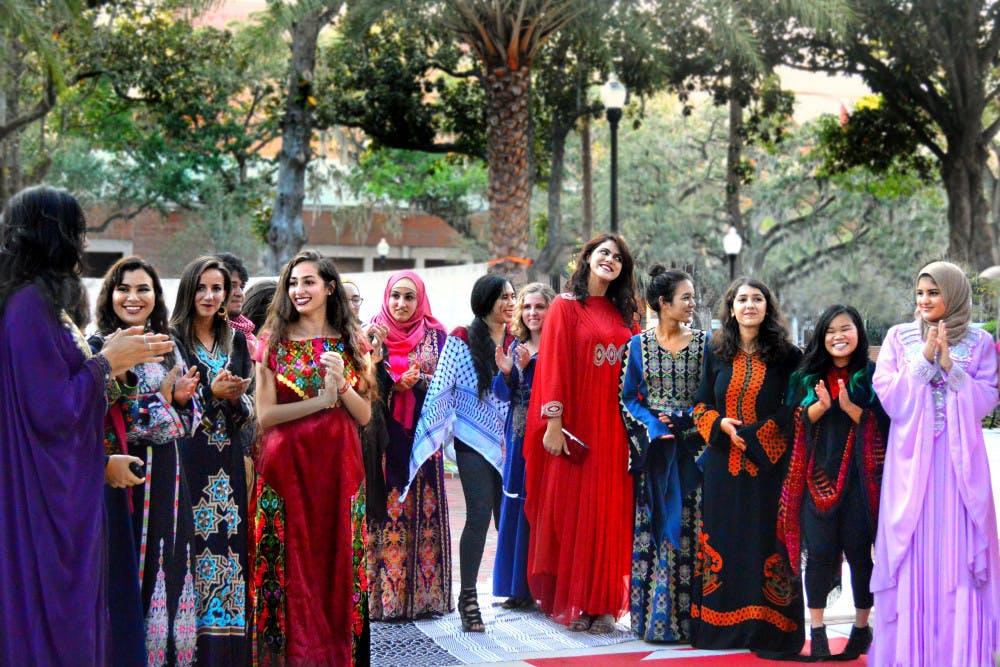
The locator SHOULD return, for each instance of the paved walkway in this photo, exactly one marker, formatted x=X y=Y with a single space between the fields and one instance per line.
x=839 y=615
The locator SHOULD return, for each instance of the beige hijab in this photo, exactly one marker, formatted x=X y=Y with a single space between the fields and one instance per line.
x=957 y=294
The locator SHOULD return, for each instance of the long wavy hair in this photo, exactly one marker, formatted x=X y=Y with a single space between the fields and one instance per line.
x=773 y=341
x=485 y=293
x=621 y=291
x=816 y=359
x=42 y=231
x=281 y=314
x=182 y=316
x=663 y=282
x=108 y=320
x=518 y=328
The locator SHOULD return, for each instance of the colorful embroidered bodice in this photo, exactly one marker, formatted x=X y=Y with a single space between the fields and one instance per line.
x=298 y=371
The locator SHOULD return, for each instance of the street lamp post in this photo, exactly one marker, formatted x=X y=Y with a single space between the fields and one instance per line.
x=613 y=95
x=382 y=248
x=732 y=243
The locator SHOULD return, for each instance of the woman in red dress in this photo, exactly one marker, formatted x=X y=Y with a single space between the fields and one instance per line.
x=312 y=386
x=580 y=510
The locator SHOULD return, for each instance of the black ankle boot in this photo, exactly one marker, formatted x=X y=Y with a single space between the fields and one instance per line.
x=819 y=645
x=858 y=643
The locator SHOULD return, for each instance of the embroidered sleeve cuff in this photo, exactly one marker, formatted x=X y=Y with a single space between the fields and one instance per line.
x=923 y=369
x=552 y=409
x=956 y=378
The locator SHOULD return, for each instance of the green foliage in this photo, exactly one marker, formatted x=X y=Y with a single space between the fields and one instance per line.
x=447 y=186
x=816 y=240
x=397 y=80
x=874 y=139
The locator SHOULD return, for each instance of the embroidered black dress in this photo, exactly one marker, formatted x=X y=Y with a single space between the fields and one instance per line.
x=745 y=595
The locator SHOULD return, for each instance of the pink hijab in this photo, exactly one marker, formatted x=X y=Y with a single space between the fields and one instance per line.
x=404 y=336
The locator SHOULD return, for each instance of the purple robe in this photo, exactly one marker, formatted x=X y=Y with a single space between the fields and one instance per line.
x=52 y=570
x=937 y=569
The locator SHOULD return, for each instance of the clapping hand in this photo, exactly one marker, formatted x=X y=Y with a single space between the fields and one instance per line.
x=505 y=359
x=185 y=386
x=409 y=378
x=229 y=386
x=126 y=348
x=522 y=356
x=937 y=348
x=823 y=395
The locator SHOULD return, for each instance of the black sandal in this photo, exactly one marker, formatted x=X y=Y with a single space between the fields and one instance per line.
x=468 y=611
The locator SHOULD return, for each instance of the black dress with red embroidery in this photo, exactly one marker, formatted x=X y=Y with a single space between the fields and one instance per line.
x=748 y=596
x=829 y=502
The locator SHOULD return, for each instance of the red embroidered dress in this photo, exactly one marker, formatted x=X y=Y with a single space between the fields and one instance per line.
x=580 y=553
x=309 y=567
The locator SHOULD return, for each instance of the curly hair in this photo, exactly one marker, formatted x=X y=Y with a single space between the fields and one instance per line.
x=518 y=328
x=816 y=359
x=282 y=312
x=485 y=292
x=663 y=282
x=621 y=291
x=182 y=316
x=773 y=341
x=42 y=231
x=108 y=320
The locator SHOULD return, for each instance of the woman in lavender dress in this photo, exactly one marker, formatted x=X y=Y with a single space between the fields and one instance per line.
x=937 y=569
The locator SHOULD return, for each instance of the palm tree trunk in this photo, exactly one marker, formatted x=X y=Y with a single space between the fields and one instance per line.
x=508 y=126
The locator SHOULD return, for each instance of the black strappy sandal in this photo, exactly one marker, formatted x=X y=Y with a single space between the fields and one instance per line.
x=468 y=610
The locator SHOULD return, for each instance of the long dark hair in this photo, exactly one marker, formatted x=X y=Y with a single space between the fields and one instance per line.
x=621 y=291
x=257 y=300
x=108 y=320
x=485 y=293
x=773 y=342
x=42 y=231
x=816 y=359
x=182 y=316
x=663 y=282
x=282 y=313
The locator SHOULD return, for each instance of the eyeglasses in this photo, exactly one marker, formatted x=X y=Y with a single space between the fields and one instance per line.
x=357 y=300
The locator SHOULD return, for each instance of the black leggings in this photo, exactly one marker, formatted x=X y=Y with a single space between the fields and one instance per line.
x=483 y=490
x=845 y=530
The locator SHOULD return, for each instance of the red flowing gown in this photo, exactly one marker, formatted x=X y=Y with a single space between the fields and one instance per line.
x=579 y=556
x=311 y=589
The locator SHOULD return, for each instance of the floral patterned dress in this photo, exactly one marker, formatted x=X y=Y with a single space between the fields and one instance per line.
x=409 y=556
x=310 y=582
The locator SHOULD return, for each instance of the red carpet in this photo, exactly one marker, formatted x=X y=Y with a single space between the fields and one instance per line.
x=676 y=656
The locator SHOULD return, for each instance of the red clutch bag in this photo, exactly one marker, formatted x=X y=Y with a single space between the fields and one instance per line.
x=577 y=449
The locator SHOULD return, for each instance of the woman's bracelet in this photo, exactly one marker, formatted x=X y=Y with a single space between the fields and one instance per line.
x=343 y=389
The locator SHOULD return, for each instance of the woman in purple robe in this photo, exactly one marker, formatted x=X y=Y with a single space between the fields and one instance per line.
x=937 y=569
x=53 y=397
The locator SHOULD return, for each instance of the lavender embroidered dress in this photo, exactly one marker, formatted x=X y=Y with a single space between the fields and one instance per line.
x=937 y=569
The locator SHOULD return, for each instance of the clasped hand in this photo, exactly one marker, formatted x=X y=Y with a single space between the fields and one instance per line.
x=937 y=346
x=229 y=386
x=334 y=380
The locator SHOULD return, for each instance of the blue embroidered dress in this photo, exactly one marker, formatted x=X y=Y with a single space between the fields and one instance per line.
x=667 y=483
x=510 y=571
x=213 y=463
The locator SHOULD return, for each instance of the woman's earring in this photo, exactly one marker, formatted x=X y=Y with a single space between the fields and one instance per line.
x=223 y=313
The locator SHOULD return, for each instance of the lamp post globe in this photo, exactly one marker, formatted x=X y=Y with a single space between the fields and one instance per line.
x=382 y=248
x=613 y=95
x=732 y=243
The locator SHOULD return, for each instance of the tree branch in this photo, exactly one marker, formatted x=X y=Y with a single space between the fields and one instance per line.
x=123 y=215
